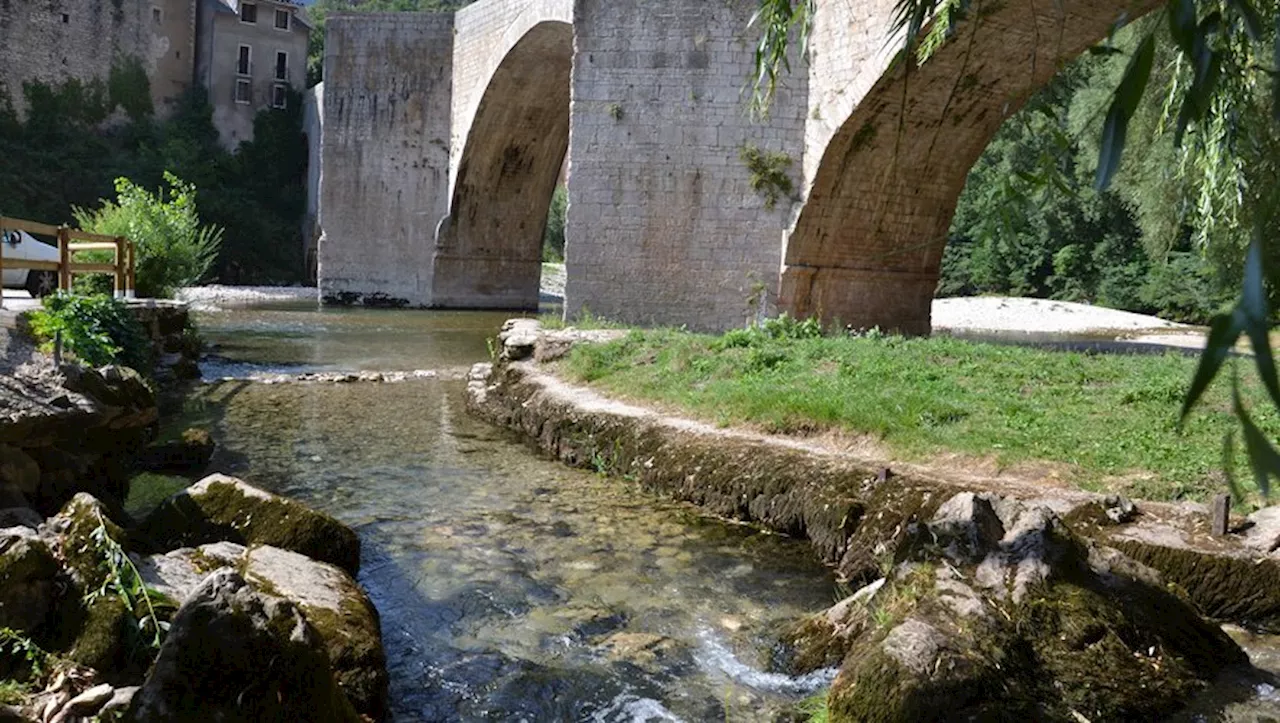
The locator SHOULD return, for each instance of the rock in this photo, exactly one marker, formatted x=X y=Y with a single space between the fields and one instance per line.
x=1034 y=625
x=178 y=573
x=28 y=571
x=188 y=454
x=20 y=517
x=73 y=530
x=965 y=525
x=221 y=508
x=1263 y=532
x=86 y=704
x=238 y=654
x=646 y=651
x=19 y=470
x=120 y=701
x=10 y=497
x=339 y=611
x=519 y=338
x=104 y=642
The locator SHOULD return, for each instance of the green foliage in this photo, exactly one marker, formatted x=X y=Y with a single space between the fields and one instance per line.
x=553 y=237
x=99 y=330
x=814 y=708
x=768 y=173
x=62 y=157
x=129 y=88
x=1101 y=421
x=16 y=644
x=123 y=581
x=173 y=248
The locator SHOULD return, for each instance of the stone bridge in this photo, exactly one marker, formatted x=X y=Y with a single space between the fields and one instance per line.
x=445 y=136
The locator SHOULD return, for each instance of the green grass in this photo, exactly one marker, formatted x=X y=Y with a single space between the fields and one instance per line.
x=1107 y=421
x=815 y=708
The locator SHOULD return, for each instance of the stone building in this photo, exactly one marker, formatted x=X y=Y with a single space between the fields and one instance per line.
x=53 y=40
x=249 y=53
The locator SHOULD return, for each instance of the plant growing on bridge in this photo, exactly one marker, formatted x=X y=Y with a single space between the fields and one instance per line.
x=768 y=173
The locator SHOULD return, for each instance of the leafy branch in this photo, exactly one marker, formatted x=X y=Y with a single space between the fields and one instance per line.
x=125 y=582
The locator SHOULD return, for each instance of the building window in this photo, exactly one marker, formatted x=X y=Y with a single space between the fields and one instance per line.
x=248 y=12
x=244 y=64
x=157 y=16
x=282 y=65
x=279 y=95
x=244 y=91
x=282 y=19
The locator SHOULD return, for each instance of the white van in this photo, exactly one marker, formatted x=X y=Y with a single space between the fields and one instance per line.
x=21 y=246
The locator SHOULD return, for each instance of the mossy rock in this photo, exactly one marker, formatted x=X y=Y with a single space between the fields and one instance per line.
x=340 y=612
x=105 y=637
x=221 y=508
x=239 y=654
x=28 y=571
x=1018 y=619
x=75 y=526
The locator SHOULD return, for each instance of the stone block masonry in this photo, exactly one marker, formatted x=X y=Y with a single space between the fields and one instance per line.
x=385 y=154
x=663 y=225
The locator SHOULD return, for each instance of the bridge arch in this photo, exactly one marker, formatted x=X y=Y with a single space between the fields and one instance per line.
x=509 y=147
x=866 y=248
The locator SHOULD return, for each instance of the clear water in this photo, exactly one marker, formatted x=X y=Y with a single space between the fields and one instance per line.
x=511 y=588
x=502 y=577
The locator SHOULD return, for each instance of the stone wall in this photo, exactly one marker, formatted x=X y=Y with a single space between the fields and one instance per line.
x=387 y=103
x=663 y=225
x=53 y=40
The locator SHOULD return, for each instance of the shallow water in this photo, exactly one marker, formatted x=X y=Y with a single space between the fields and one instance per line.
x=510 y=587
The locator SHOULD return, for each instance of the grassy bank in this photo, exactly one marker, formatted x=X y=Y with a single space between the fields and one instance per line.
x=1101 y=421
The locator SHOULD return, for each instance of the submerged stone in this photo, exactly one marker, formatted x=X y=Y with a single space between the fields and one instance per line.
x=219 y=508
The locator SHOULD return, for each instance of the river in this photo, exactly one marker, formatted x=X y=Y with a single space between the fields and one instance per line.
x=510 y=587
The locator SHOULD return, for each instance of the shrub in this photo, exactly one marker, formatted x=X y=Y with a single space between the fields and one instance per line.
x=173 y=248
x=98 y=329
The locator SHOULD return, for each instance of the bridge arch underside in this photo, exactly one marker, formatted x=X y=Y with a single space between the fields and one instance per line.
x=489 y=254
x=866 y=249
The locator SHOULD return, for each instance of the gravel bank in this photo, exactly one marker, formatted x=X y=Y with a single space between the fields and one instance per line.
x=216 y=295
x=1040 y=316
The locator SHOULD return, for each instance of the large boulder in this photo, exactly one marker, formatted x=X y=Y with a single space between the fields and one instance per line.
x=28 y=572
x=330 y=600
x=235 y=653
x=219 y=508
x=339 y=611
x=997 y=612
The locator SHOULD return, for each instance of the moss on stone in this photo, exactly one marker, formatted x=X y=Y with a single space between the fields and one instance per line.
x=104 y=636
x=78 y=520
x=222 y=510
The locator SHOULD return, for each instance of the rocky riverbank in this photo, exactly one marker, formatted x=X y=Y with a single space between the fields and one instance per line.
x=225 y=603
x=1021 y=553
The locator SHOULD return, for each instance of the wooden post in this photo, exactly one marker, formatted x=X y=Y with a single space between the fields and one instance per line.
x=64 y=259
x=57 y=348
x=132 y=280
x=1 y=267
x=119 y=281
x=1221 y=513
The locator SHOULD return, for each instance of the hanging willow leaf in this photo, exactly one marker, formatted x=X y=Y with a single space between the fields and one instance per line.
x=1250 y=16
x=1253 y=310
x=1264 y=460
x=1123 y=104
x=1224 y=330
